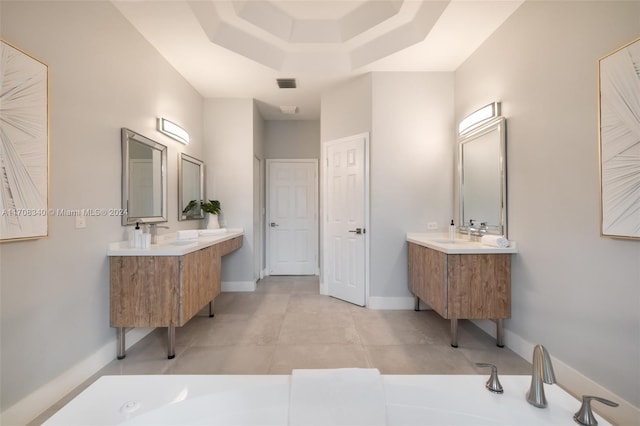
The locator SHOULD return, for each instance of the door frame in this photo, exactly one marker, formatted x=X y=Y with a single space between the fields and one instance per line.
x=324 y=287
x=267 y=218
x=258 y=218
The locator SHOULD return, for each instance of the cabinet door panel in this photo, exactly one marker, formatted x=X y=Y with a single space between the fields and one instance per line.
x=143 y=290
x=427 y=275
x=479 y=286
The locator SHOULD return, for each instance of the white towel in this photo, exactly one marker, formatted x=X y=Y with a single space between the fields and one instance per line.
x=495 y=241
x=190 y=234
x=340 y=397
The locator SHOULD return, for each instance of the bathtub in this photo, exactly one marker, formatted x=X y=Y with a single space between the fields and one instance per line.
x=264 y=400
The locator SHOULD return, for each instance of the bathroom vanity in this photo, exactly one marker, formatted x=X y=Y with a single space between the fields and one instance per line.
x=461 y=279
x=167 y=284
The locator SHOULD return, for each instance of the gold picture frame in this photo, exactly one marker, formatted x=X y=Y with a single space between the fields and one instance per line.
x=24 y=145
x=619 y=141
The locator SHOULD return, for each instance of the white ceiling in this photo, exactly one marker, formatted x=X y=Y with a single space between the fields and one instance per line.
x=239 y=48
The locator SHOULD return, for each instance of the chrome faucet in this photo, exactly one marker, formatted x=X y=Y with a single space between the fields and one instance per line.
x=483 y=228
x=154 y=232
x=471 y=230
x=542 y=372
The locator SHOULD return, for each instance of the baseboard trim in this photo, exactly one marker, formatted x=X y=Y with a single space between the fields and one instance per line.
x=391 y=303
x=230 y=286
x=571 y=380
x=34 y=404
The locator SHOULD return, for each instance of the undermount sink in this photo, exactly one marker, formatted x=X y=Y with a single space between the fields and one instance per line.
x=446 y=241
x=182 y=242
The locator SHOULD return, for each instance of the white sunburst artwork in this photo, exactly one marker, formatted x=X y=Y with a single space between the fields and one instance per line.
x=620 y=141
x=24 y=145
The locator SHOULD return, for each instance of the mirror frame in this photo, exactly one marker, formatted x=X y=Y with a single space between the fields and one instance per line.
x=127 y=136
x=495 y=124
x=182 y=159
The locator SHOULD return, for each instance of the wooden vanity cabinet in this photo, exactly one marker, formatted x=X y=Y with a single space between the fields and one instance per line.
x=462 y=286
x=165 y=291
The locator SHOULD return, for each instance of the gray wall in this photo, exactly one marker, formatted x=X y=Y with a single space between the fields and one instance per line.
x=229 y=132
x=102 y=76
x=410 y=120
x=411 y=169
x=292 y=139
x=345 y=110
x=573 y=291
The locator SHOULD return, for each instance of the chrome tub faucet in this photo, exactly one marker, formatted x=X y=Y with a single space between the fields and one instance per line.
x=542 y=373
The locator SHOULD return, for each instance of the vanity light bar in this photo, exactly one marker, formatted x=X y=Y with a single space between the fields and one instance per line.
x=478 y=117
x=172 y=130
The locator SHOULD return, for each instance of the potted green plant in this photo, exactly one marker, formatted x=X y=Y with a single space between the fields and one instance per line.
x=212 y=207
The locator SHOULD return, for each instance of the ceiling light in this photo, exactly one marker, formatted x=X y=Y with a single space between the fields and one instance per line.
x=172 y=130
x=287 y=83
x=289 y=109
x=478 y=117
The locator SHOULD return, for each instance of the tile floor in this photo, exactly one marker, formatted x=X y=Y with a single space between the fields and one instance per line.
x=287 y=324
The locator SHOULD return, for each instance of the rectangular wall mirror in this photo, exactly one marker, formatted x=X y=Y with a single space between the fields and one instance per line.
x=190 y=187
x=144 y=179
x=483 y=178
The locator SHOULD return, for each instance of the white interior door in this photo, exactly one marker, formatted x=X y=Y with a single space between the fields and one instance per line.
x=292 y=227
x=345 y=233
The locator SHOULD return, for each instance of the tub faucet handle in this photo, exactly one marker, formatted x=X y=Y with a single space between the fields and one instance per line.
x=493 y=384
x=584 y=415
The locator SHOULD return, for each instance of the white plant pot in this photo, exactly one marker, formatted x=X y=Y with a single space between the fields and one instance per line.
x=212 y=221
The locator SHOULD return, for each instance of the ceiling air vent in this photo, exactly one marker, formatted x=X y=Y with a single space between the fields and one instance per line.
x=286 y=83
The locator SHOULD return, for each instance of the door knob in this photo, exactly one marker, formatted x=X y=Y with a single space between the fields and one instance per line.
x=273 y=224
x=358 y=231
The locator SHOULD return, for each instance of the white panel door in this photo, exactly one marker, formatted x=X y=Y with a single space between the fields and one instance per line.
x=345 y=250
x=293 y=217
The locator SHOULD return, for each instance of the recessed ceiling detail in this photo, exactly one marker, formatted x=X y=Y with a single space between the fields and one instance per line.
x=277 y=18
x=270 y=33
x=238 y=48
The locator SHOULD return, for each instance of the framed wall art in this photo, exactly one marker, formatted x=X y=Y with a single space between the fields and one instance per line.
x=24 y=145
x=619 y=140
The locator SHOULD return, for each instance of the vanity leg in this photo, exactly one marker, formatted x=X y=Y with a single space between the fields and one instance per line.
x=416 y=307
x=211 y=309
x=454 y=332
x=121 y=353
x=172 y=342
x=500 y=333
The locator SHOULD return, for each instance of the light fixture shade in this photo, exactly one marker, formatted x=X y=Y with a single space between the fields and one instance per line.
x=478 y=117
x=172 y=130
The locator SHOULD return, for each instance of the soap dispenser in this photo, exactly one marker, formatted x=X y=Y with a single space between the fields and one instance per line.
x=452 y=231
x=137 y=236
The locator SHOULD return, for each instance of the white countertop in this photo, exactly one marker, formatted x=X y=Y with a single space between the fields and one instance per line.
x=170 y=245
x=460 y=245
